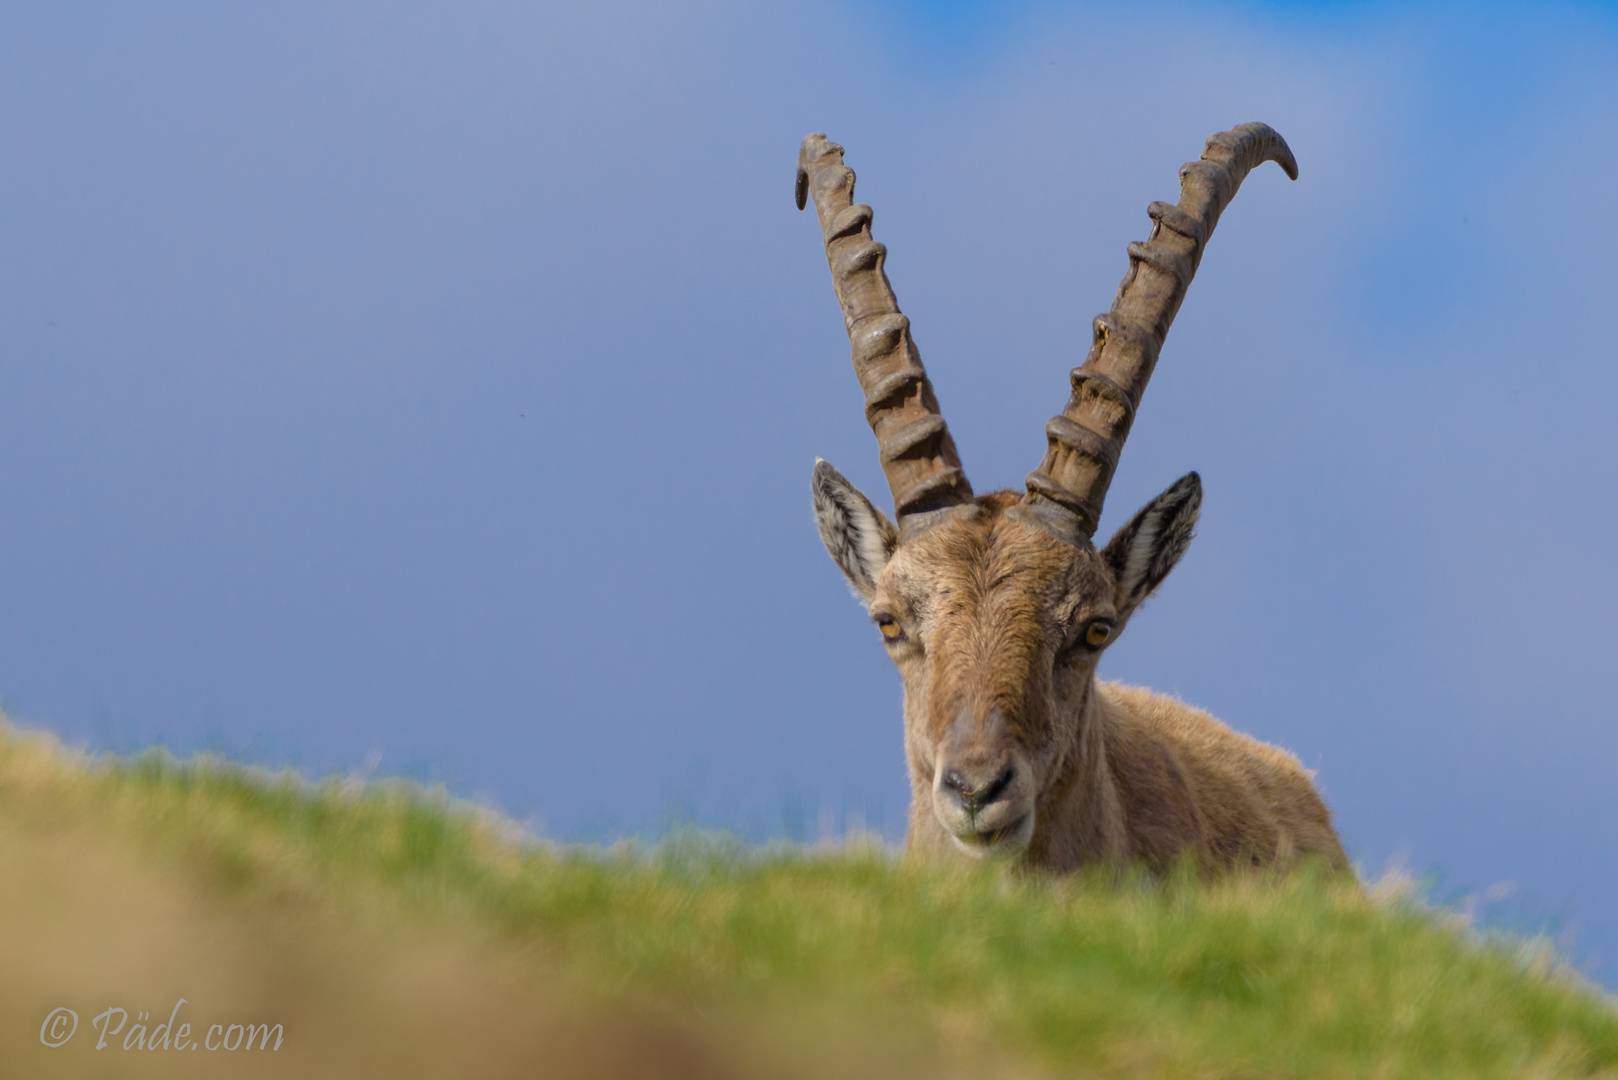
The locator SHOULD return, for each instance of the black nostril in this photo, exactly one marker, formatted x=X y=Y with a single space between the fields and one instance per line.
x=992 y=790
x=975 y=799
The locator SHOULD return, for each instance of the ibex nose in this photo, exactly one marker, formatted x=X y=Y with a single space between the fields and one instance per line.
x=983 y=792
x=977 y=791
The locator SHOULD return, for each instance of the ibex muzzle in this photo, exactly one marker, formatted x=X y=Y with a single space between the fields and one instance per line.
x=996 y=608
x=983 y=789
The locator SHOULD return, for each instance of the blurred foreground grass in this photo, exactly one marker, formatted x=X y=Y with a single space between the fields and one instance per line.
x=393 y=932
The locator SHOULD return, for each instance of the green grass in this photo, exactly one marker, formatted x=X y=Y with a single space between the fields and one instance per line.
x=1303 y=976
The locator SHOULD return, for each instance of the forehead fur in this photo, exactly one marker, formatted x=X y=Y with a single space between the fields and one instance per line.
x=989 y=553
x=984 y=593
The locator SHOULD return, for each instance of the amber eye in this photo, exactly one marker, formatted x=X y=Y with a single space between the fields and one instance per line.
x=889 y=627
x=1098 y=633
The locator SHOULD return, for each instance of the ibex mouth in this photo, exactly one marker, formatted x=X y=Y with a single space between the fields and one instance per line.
x=1006 y=840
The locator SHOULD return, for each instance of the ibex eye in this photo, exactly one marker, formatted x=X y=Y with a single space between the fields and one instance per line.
x=889 y=627
x=1098 y=633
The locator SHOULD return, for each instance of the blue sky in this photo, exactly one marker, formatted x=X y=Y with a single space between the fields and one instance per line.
x=437 y=386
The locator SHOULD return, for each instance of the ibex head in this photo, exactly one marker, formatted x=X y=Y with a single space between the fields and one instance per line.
x=996 y=608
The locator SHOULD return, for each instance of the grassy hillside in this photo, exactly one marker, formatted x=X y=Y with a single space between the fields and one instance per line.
x=394 y=933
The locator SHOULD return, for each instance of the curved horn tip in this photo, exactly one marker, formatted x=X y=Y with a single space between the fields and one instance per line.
x=1280 y=152
x=814 y=144
x=1283 y=157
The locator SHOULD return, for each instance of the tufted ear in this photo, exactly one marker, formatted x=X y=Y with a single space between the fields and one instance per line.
x=858 y=536
x=1142 y=553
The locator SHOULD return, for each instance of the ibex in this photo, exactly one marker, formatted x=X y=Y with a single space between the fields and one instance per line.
x=996 y=608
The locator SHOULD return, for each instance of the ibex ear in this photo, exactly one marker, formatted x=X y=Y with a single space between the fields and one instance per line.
x=1142 y=553
x=858 y=536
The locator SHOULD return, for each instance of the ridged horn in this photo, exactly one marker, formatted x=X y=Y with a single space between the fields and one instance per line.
x=918 y=455
x=1086 y=438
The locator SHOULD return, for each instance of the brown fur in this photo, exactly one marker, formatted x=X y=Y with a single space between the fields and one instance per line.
x=988 y=605
x=996 y=609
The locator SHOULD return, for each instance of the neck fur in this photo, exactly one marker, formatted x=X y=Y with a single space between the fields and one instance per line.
x=1080 y=817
